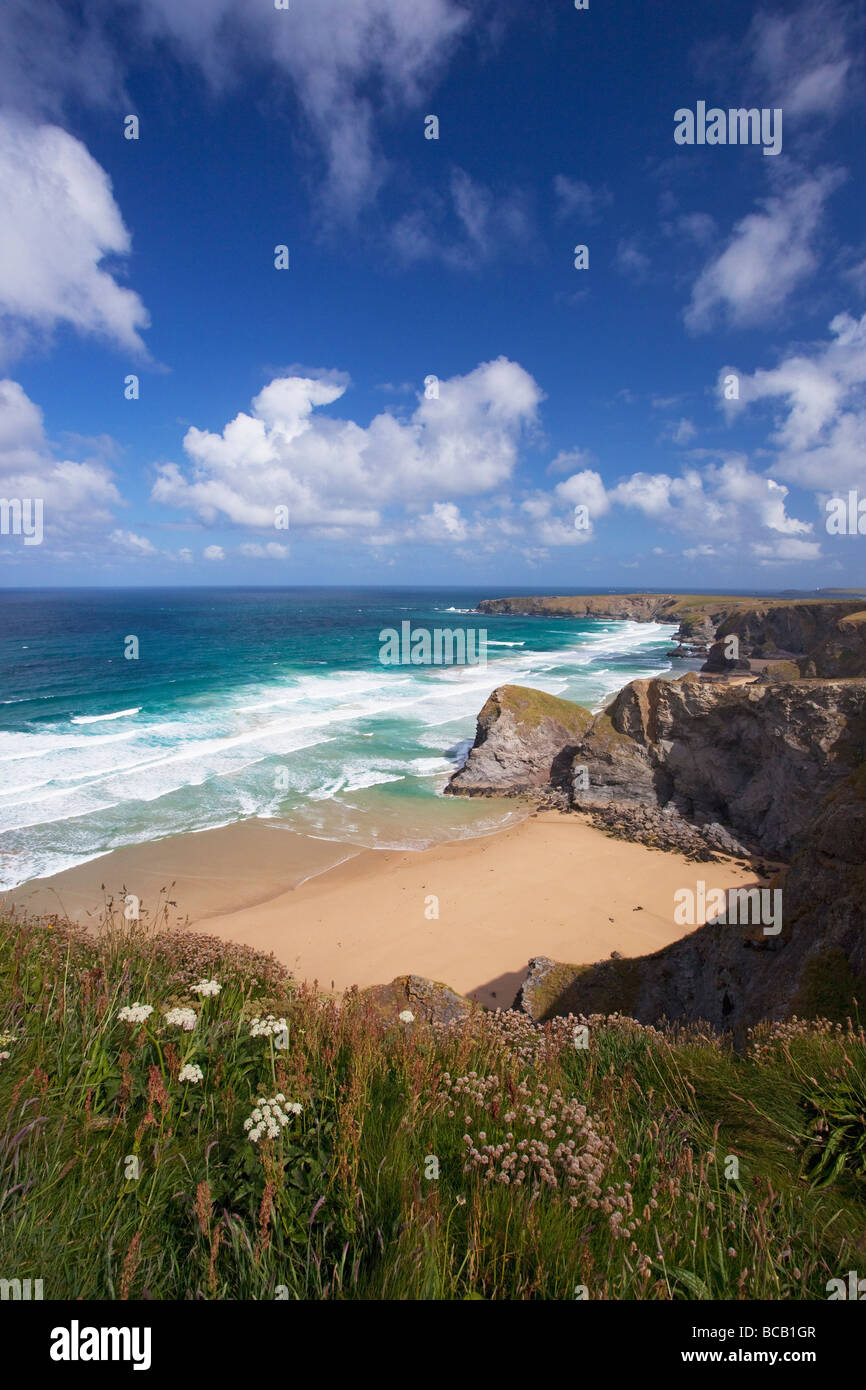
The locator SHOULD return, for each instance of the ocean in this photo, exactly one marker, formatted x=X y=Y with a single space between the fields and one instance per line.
x=262 y=702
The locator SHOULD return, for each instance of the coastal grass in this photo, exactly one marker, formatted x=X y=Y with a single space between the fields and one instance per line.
x=488 y=1159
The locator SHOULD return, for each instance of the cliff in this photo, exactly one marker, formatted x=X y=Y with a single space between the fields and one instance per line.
x=744 y=763
x=828 y=636
x=524 y=740
x=754 y=758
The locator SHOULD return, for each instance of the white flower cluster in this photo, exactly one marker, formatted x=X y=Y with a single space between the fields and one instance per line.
x=4 y=1056
x=136 y=1013
x=267 y=1027
x=6 y=1039
x=270 y=1116
x=191 y=1073
x=182 y=1018
x=208 y=989
x=406 y=1016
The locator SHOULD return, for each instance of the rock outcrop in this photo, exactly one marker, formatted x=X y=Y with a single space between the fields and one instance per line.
x=735 y=976
x=787 y=629
x=752 y=758
x=842 y=651
x=525 y=741
x=427 y=1000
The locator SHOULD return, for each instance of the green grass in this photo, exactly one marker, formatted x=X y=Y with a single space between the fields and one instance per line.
x=531 y=707
x=344 y=1203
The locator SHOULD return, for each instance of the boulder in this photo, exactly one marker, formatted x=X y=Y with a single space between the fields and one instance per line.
x=428 y=1000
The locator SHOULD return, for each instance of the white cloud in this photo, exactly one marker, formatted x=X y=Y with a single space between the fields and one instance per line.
x=578 y=199
x=630 y=259
x=820 y=403
x=470 y=227
x=444 y=522
x=680 y=432
x=272 y=551
x=58 y=222
x=78 y=497
x=768 y=255
x=585 y=489
x=786 y=550
x=348 y=63
x=336 y=473
x=135 y=545
x=801 y=59
x=728 y=505
x=214 y=552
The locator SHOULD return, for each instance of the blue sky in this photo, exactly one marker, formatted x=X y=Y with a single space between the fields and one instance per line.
x=303 y=388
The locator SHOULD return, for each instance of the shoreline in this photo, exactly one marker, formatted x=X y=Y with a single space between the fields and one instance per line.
x=342 y=915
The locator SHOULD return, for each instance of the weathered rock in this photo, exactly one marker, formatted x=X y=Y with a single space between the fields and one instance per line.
x=718 y=660
x=776 y=672
x=429 y=1001
x=789 y=629
x=754 y=758
x=666 y=829
x=525 y=740
x=842 y=652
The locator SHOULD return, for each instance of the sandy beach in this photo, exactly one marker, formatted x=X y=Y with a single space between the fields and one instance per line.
x=551 y=885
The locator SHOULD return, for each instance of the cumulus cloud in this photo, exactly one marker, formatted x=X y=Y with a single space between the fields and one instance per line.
x=442 y=523
x=731 y=507
x=336 y=473
x=214 y=552
x=768 y=255
x=58 y=223
x=78 y=498
x=819 y=400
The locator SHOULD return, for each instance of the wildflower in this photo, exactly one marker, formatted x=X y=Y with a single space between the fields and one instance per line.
x=461 y=1200
x=182 y=1018
x=6 y=1039
x=267 y=1027
x=191 y=1073
x=406 y=1016
x=208 y=989
x=269 y=1117
x=4 y=1056
x=135 y=1013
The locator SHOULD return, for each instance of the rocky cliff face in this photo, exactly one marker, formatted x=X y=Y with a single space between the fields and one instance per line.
x=525 y=740
x=828 y=636
x=754 y=758
x=786 y=628
x=734 y=976
x=842 y=651
x=746 y=762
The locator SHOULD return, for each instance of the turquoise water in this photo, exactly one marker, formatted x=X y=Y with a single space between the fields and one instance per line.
x=269 y=703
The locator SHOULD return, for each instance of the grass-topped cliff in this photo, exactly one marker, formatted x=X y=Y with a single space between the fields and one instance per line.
x=828 y=635
x=490 y=1159
x=656 y=607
